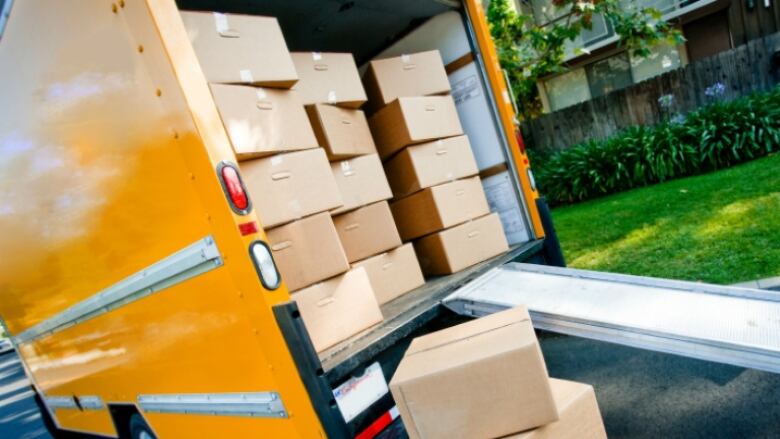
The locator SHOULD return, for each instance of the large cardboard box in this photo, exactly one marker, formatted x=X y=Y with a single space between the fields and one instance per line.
x=367 y=231
x=417 y=74
x=307 y=251
x=343 y=132
x=361 y=181
x=439 y=207
x=240 y=49
x=393 y=273
x=407 y=121
x=428 y=164
x=485 y=378
x=578 y=411
x=461 y=246
x=287 y=187
x=338 y=308
x=263 y=121
x=329 y=78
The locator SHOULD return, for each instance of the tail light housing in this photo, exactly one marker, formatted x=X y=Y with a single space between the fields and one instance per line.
x=234 y=188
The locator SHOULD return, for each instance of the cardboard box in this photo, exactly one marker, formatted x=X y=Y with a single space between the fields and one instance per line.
x=417 y=74
x=343 y=132
x=367 y=231
x=240 y=49
x=361 y=181
x=262 y=121
x=439 y=207
x=461 y=246
x=329 y=78
x=485 y=378
x=428 y=164
x=393 y=273
x=287 y=187
x=307 y=251
x=578 y=411
x=407 y=121
x=338 y=308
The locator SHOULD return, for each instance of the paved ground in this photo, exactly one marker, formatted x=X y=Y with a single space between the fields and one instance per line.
x=19 y=415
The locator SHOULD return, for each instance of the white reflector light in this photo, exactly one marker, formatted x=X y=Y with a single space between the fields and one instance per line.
x=264 y=264
x=532 y=179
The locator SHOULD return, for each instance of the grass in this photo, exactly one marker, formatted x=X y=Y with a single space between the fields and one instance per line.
x=722 y=227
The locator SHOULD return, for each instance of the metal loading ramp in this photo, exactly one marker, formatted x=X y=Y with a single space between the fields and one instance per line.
x=738 y=326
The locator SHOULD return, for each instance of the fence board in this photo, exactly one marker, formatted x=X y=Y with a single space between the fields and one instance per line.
x=743 y=70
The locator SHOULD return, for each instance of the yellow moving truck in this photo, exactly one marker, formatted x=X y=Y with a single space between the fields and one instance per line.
x=136 y=278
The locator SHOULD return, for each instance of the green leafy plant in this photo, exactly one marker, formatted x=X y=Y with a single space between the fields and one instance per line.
x=528 y=50
x=716 y=136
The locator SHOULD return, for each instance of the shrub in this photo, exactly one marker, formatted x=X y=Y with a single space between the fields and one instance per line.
x=715 y=136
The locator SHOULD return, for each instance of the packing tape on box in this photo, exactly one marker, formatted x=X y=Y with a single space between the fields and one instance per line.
x=316 y=56
x=276 y=160
x=246 y=76
x=405 y=58
x=223 y=26
x=261 y=94
x=332 y=97
x=295 y=206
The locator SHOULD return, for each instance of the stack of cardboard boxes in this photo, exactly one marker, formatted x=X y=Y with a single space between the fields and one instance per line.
x=309 y=163
x=260 y=96
x=438 y=201
x=485 y=379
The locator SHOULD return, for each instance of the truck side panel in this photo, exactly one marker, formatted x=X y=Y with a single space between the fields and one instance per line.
x=107 y=167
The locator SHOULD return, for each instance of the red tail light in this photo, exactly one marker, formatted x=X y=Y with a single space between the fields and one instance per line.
x=234 y=188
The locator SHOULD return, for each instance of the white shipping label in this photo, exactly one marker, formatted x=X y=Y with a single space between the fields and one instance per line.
x=502 y=199
x=466 y=89
x=246 y=76
x=221 y=22
x=358 y=393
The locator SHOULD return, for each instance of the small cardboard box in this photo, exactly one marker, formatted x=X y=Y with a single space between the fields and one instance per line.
x=338 y=308
x=367 y=231
x=307 y=251
x=329 y=78
x=461 y=246
x=393 y=273
x=343 y=132
x=361 y=181
x=578 y=411
x=240 y=49
x=287 y=187
x=417 y=74
x=262 y=121
x=407 y=121
x=428 y=164
x=485 y=378
x=436 y=208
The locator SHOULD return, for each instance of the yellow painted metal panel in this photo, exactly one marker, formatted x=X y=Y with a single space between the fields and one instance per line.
x=506 y=112
x=109 y=142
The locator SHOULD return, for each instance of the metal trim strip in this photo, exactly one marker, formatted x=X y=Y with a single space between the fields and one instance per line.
x=60 y=402
x=191 y=261
x=91 y=402
x=256 y=404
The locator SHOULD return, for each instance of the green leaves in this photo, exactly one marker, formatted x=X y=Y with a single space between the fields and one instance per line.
x=528 y=50
x=716 y=136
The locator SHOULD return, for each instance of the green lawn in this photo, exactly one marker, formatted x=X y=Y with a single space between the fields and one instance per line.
x=722 y=227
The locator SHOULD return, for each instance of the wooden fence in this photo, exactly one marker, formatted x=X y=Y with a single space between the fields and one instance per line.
x=751 y=67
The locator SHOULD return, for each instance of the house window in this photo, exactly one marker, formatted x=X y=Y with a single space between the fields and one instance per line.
x=567 y=89
x=663 y=58
x=609 y=74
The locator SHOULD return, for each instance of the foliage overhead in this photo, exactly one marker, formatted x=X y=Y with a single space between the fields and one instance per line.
x=529 y=50
x=715 y=136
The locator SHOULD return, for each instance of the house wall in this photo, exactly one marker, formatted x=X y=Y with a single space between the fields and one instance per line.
x=748 y=68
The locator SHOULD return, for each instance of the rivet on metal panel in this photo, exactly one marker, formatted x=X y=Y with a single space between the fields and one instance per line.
x=158 y=92
x=240 y=294
x=176 y=136
x=255 y=331
x=140 y=48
